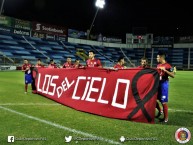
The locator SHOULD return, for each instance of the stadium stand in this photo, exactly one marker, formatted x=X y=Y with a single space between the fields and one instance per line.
x=17 y=47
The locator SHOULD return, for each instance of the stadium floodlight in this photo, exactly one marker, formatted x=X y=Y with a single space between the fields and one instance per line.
x=100 y=5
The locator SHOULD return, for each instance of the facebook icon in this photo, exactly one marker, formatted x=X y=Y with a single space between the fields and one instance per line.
x=10 y=139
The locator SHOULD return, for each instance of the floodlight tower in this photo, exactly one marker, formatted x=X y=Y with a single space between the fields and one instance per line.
x=2 y=4
x=100 y=5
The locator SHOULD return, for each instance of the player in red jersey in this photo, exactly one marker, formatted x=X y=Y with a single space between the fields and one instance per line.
x=39 y=63
x=77 y=64
x=165 y=71
x=68 y=63
x=120 y=63
x=92 y=61
x=26 y=67
x=52 y=64
x=144 y=63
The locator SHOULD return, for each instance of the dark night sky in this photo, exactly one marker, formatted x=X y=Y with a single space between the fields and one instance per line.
x=119 y=17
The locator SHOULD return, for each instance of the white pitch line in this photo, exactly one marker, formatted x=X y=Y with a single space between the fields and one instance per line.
x=176 y=110
x=60 y=126
x=29 y=104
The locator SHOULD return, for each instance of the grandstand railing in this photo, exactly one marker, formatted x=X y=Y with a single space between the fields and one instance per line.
x=35 y=47
x=6 y=59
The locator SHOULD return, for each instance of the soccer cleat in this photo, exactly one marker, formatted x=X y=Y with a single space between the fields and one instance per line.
x=159 y=114
x=163 y=120
x=166 y=120
x=34 y=92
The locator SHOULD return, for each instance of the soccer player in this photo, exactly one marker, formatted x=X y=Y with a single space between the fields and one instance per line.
x=144 y=63
x=28 y=74
x=68 y=63
x=52 y=64
x=120 y=63
x=39 y=63
x=165 y=71
x=92 y=61
x=77 y=64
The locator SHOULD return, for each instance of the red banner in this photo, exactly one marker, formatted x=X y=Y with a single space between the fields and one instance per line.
x=128 y=94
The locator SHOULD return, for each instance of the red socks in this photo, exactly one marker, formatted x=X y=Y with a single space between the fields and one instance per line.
x=165 y=109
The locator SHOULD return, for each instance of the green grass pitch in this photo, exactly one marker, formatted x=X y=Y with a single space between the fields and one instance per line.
x=33 y=116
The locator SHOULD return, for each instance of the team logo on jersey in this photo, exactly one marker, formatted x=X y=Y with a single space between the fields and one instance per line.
x=182 y=135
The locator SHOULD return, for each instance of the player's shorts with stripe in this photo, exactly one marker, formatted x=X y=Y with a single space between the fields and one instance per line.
x=163 y=91
x=28 y=79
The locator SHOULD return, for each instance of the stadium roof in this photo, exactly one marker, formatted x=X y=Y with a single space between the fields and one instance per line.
x=116 y=19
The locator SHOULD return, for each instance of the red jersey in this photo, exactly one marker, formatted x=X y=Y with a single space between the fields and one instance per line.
x=93 y=63
x=164 y=75
x=52 y=66
x=142 y=66
x=78 y=66
x=39 y=65
x=119 y=66
x=67 y=65
x=25 y=66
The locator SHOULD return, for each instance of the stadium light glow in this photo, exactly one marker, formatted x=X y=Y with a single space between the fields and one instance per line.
x=99 y=4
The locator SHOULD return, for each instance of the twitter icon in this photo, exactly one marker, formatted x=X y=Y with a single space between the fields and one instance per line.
x=68 y=138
